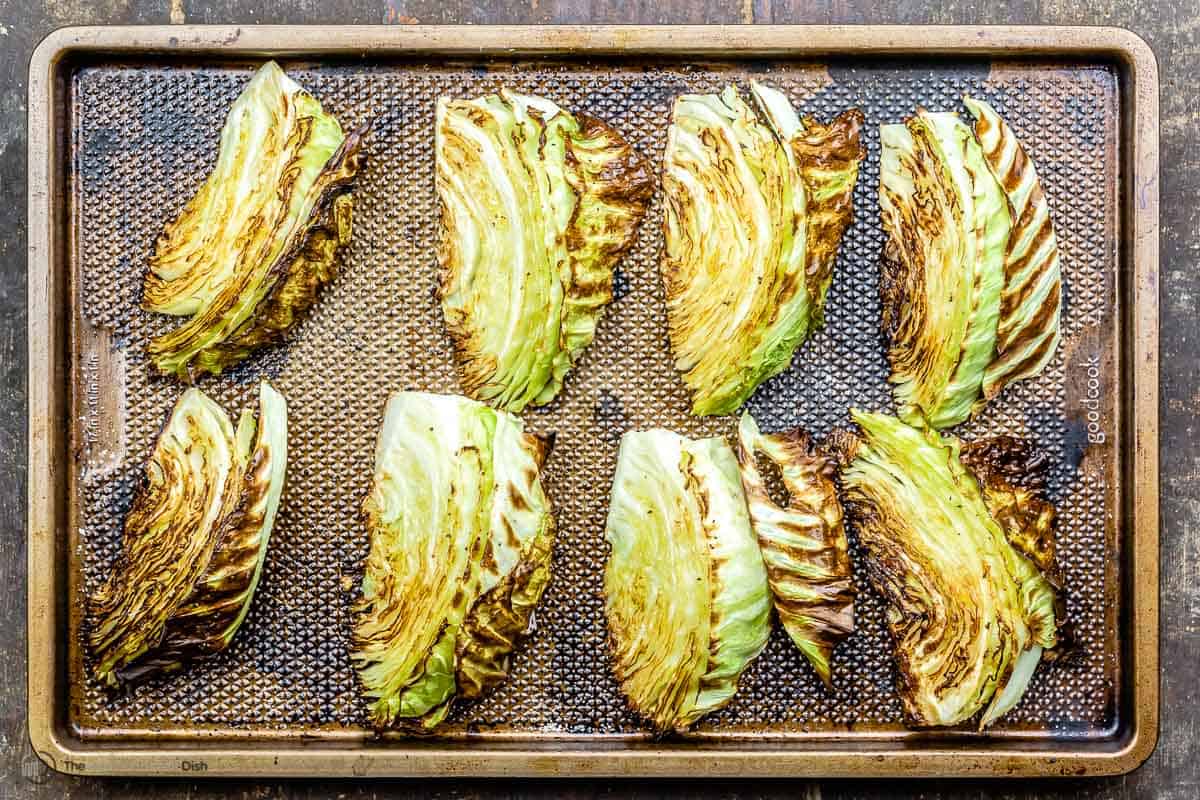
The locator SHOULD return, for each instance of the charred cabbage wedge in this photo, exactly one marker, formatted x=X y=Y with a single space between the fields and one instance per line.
x=756 y=205
x=803 y=543
x=538 y=206
x=948 y=225
x=1031 y=301
x=970 y=283
x=461 y=537
x=685 y=588
x=250 y=251
x=961 y=547
x=195 y=539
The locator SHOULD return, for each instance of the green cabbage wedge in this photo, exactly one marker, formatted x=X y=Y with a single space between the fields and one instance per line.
x=538 y=206
x=971 y=284
x=962 y=549
x=756 y=205
x=248 y=254
x=685 y=587
x=195 y=539
x=1031 y=301
x=803 y=543
x=948 y=224
x=461 y=538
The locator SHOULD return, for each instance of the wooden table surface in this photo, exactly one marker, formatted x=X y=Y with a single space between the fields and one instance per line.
x=1172 y=27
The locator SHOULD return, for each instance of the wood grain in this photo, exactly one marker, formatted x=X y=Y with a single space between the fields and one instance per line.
x=1171 y=27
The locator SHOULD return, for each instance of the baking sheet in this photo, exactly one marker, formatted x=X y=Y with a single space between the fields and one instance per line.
x=142 y=134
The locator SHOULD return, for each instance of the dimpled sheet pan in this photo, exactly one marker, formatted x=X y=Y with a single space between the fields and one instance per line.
x=136 y=134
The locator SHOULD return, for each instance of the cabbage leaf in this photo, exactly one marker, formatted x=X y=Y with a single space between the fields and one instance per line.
x=757 y=201
x=248 y=254
x=685 y=587
x=948 y=225
x=538 y=206
x=803 y=542
x=1028 y=332
x=971 y=610
x=461 y=535
x=970 y=285
x=195 y=539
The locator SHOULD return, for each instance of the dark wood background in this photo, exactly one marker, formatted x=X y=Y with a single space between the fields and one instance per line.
x=1172 y=27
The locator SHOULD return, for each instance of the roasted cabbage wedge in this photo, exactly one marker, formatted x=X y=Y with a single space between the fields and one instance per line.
x=1031 y=301
x=461 y=537
x=538 y=206
x=970 y=282
x=195 y=539
x=961 y=547
x=803 y=542
x=685 y=587
x=250 y=251
x=948 y=225
x=757 y=201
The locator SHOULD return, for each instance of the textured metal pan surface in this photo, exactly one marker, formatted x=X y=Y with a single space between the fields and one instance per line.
x=139 y=135
x=144 y=138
